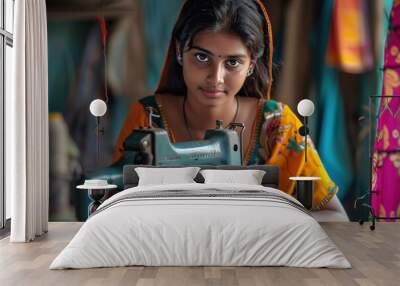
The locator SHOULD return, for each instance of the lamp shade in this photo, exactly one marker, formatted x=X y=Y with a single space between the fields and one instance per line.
x=305 y=107
x=98 y=107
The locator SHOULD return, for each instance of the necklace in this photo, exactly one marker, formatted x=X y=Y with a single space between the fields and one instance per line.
x=189 y=130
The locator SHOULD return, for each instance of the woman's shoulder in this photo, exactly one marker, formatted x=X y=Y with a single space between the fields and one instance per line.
x=161 y=103
x=137 y=110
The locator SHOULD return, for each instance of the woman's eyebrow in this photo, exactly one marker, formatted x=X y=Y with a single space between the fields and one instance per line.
x=220 y=56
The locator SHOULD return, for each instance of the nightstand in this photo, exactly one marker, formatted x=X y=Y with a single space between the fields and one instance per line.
x=96 y=192
x=305 y=189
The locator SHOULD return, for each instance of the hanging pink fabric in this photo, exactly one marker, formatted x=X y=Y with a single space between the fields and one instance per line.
x=386 y=156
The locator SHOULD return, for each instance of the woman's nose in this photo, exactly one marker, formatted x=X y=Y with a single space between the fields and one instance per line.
x=217 y=73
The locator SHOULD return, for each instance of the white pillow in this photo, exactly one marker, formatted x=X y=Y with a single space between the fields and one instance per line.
x=163 y=176
x=248 y=177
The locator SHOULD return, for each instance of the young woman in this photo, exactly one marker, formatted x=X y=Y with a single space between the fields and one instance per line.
x=218 y=66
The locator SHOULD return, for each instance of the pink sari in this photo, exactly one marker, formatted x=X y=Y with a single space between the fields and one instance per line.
x=386 y=156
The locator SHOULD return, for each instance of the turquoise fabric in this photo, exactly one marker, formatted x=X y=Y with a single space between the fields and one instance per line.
x=66 y=42
x=333 y=143
x=159 y=18
x=329 y=120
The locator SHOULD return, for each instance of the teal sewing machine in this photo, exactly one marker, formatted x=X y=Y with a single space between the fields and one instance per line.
x=151 y=146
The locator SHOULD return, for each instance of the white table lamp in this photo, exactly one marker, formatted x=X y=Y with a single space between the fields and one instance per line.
x=98 y=108
x=305 y=109
x=305 y=185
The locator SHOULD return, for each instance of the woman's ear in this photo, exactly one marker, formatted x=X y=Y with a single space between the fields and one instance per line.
x=251 y=68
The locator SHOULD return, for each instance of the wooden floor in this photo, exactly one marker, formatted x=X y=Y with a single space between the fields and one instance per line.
x=374 y=255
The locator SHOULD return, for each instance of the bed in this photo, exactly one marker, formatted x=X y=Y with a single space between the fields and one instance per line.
x=198 y=224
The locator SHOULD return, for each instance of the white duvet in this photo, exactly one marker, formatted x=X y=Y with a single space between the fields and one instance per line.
x=207 y=230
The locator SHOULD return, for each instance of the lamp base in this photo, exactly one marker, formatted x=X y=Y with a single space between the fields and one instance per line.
x=305 y=190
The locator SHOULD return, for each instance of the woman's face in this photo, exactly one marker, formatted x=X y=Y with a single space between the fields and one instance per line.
x=216 y=67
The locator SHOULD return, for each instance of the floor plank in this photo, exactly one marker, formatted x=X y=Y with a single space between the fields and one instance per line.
x=374 y=255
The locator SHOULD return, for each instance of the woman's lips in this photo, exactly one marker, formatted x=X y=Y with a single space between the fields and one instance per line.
x=212 y=92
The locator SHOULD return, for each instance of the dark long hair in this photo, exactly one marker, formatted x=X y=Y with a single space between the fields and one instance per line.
x=244 y=18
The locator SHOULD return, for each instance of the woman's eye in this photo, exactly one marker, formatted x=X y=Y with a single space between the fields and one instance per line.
x=233 y=63
x=202 y=57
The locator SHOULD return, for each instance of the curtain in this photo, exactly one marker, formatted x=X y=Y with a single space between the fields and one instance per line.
x=27 y=167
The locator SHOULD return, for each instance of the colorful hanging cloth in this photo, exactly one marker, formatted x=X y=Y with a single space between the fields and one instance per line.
x=386 y=155
x=349 y=43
